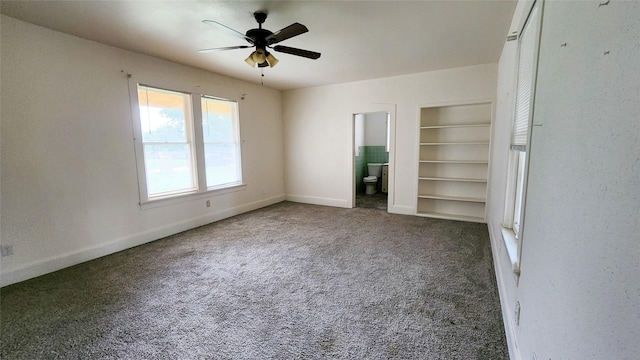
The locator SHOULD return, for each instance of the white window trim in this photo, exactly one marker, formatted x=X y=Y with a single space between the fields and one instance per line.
x=155 y=203
x=201 y=190
x=237 y=143
x=513 y=241
x=511 y=235
x=511 y=245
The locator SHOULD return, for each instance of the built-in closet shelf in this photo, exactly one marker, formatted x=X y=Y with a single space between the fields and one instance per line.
x=467 y=218
x=453 y=179
x=453 y=161
x=455 y=143
x=454 y=126
x=452 y=198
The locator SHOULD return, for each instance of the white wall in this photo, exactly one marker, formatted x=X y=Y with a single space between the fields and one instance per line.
x=375 y=131
x=500 y=144
x=359 y=138
x=580 y=284
x=69 y=191
x=318 y=130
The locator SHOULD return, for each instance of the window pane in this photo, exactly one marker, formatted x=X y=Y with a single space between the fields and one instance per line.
x=526 y=79
x=168 y=168
x=165 y=123
x=222 y=164
x=221 y=141
x=162 y=115
x=218 y=121
x=522 y=158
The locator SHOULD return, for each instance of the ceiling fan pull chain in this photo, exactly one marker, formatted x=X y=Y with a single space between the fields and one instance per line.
x=262 y=77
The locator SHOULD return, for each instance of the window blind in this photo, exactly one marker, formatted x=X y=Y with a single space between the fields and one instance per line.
x=524 y=91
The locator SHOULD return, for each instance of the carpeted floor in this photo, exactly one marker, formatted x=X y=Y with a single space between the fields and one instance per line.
x=290 y=281
x=373 y=201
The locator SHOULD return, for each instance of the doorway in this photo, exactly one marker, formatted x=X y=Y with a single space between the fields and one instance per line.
x=371 y=145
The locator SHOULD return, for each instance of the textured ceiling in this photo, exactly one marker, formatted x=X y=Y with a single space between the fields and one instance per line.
x=358 y=40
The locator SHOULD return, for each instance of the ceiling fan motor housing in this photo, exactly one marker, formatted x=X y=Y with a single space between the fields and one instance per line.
x=259 y=37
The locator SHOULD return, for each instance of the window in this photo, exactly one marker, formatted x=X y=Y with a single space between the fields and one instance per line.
x=518 y=153
x=185 y=143
x=167 y=140
x=221 y=145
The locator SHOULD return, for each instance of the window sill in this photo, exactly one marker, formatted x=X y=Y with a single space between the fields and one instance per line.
x=511 y=244
x=155 y=203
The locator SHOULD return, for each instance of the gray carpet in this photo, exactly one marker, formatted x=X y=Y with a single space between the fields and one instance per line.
x=290 y=281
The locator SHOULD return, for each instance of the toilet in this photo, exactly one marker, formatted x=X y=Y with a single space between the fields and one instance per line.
x=375 y=171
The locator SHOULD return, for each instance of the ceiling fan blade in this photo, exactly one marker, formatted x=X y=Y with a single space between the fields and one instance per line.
x=290 y=31
x=224 y=48
x=299 y=52
x=228 y=30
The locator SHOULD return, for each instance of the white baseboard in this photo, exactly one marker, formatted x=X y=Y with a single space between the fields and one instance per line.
x=317 y=200
x=46 y=266
x=393 y=209
x=505 y=304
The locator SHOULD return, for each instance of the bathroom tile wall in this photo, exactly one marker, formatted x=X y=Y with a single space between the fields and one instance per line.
x=361 y=166
x=368 y=154
x=376 y=154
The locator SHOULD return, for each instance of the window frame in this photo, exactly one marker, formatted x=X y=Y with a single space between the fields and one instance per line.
x=189 y=141
x=513 y=224
x=193 y=126
x=236 y=143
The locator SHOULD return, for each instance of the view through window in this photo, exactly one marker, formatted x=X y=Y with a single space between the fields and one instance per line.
x=173 y=136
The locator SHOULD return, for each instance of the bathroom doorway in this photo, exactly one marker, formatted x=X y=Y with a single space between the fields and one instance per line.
x=371 y=149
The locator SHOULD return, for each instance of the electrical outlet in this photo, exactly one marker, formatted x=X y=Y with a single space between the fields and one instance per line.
x=6 y=250
x=208 y=203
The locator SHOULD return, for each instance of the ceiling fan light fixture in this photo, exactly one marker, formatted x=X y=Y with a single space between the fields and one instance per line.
x=262 y=58
x=271 y=60
x=259 y=56
x=250 y=61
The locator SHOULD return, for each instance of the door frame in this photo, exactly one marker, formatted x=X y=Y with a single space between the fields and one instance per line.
x=391 y=109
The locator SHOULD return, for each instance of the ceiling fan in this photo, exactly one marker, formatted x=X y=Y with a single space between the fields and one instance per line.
x=263 y=39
